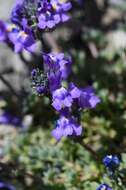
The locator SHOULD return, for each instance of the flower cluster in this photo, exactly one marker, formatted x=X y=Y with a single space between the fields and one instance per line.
x=39 y=81
x=42 y=14
x=111 y=162
x=67 y=101
x=29 y=18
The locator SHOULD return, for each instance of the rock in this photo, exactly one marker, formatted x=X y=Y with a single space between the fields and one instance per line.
x=5 y=8
x=9 y=59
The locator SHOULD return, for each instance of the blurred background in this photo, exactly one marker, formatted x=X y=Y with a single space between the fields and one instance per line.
x=95 y=37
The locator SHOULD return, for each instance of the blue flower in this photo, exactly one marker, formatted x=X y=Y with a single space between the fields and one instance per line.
x=58 y=61
x=57 y=67
x=40 y=14
x=85 y=98
x=66 y=127
x=17 y=13
x=7 y=118
x=19 y=39
x=61 y=8
x=111 y=162
x=61 y=99
x=104 y=187
x=52 y=13
x=22 y=40
x=5 y=186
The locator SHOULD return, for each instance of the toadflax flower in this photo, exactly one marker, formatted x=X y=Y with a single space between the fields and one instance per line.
x=104 y=187
x=47 y=17
x=61 y=62
x=67 y=101
x=66 y=127
x=57 y=67
x=9 y=119
x=19 y=39
x=42 y=14
x=111 y=162
x=85 y=97
x=22 y=40
x=5 y=186
x=61 y=7
x=61 y=99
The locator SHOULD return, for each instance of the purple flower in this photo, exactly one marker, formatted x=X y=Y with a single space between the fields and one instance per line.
x=111 y=162
x=6 y=29
x=17 y=12
x=8 y=119
x=54 y=79
x=66 y=127
x=61 y=99
x=4 y=119
x=25 y=10
x=57 y=67
x=52 y=69
x=22 y=40
x=86 y=97
x=47 y=20
x=104 y=187
x=11 y=34
x=65 y=64
x=46 y=15
x=61 y=7
x=6 y=186
x=59 y=62
x=52 y=13
x=43 y=14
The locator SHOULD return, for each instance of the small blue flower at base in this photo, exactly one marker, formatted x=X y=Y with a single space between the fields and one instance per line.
x=104 y=187
x=111 y=162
